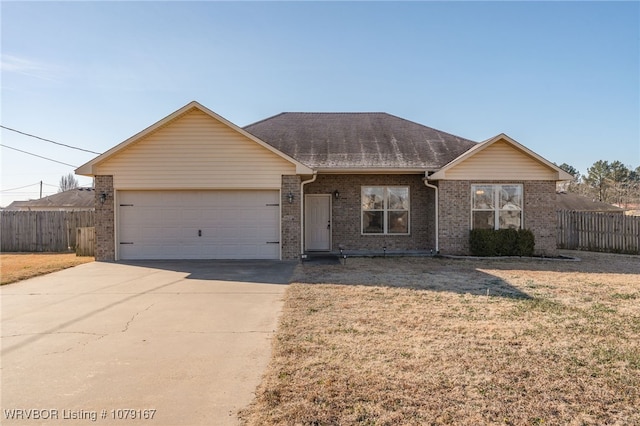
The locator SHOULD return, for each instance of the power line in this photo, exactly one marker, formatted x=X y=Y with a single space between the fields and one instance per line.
x=39 y=156
x=26 y=186
x=15 y=189
x=49 y=140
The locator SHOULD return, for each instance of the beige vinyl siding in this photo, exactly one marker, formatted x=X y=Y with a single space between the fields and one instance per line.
x=195 y=151
x=500 y=161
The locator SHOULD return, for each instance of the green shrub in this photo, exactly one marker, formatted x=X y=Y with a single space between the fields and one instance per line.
x=502 y=242
x=526 y=242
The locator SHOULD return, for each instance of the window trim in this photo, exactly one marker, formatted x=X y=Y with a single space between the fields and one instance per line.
x=385 y=210
x=496 y=209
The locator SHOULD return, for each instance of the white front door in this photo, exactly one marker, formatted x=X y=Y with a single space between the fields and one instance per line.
x=317 y=222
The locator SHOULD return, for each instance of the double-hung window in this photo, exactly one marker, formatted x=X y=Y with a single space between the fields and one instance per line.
x=496 y=206
x=385 y=209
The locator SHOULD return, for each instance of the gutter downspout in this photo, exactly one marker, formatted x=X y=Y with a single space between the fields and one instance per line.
x=302 y=184
x=427 y=184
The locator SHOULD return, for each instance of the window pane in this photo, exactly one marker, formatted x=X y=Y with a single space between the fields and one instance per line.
x=372 y=222
x=483 y=197
x=511 y=197
x=483 y=220
x=373 y=198
x=510 y=219
x=398 y=198
x=398 y=223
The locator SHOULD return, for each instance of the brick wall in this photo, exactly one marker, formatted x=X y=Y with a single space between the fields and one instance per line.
x=105 y=237
x=455 y=214
x=540 y=215
x=290 y=226
x=346 y=212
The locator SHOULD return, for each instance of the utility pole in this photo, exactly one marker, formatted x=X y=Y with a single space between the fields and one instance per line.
x=40 y=189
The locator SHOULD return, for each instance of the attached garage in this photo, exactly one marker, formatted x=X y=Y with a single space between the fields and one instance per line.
x=193 y=186
x=198 y=224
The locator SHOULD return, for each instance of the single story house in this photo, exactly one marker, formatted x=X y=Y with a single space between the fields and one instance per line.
x=196 y=186
x=76 y=199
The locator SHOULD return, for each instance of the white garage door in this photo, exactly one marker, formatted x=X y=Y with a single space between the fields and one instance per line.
x=198 y=225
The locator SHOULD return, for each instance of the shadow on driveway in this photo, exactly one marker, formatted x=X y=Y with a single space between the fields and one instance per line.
x=250 y=271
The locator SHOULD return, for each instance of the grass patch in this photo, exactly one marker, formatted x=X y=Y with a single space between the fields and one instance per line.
x=430 y=347
x=20 y=266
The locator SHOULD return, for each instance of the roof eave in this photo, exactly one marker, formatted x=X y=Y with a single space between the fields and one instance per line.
x=372 y=170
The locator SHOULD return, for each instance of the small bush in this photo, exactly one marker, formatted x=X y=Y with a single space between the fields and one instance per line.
x=502 y=242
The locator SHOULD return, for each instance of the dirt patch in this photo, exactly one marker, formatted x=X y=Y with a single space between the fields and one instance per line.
x=419 y=341
x=20 y=266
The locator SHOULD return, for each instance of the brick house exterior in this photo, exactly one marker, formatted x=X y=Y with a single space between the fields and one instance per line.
x=539 y=214
x=328 y=158
x=345 y=212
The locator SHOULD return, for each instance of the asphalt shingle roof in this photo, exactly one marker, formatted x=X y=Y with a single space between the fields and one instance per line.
x=359 y=140
x=72 y=199
x=571 y=201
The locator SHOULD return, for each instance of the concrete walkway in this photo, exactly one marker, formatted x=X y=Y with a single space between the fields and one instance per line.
x=185 y=341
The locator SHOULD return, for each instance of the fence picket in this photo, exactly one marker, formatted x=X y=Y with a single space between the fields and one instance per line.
x=42 y=231
x=611 y=233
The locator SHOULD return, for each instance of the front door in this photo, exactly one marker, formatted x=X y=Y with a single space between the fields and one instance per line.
x=317 y=222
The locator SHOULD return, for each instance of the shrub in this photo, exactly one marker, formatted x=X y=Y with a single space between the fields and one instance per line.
x=502 y=242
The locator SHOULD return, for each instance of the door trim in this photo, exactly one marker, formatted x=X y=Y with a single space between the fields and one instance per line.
x=306 y=224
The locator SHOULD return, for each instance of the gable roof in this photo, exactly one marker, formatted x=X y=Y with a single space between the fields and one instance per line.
x=441 y=174
x=355 y=141
x=88 y=168
x=77 y=198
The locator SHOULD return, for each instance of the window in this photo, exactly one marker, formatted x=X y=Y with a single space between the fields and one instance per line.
x=496 y=206
x=385 y=210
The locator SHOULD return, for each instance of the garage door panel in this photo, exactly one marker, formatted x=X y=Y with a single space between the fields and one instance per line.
x=165 y=224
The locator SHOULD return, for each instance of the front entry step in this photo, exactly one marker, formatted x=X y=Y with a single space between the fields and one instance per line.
x=321 y=258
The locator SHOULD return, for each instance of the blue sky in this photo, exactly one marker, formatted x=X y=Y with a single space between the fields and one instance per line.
x=563 y=78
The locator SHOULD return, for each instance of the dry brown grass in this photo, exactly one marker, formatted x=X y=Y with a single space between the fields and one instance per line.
x=418 y=341
x=20 y=266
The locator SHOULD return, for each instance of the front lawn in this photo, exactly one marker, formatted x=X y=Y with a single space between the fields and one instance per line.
x=20 y=266
x=435 y=341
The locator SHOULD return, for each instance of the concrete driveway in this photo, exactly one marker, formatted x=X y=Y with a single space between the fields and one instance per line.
x=158 y=343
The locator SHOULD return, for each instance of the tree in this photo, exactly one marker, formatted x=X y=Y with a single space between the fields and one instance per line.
x=571 y=170
x=572 y=185
x=68 y=182
x=619 y=175
x=598 y=177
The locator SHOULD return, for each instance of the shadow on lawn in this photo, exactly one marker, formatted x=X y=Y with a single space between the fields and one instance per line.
x=430 y=275
x=462 y=275
x=583 y=262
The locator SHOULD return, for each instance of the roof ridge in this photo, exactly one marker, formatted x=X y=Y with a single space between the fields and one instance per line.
x=264 y=119
x=334 y=112
x=369 y=112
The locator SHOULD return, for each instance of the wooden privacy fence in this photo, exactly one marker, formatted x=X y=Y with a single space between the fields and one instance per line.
x=42 y=231
x=86 y=241
x=613 y=233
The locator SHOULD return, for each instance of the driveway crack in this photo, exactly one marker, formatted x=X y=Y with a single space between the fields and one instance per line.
x=128 y=324
x=54 y=332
